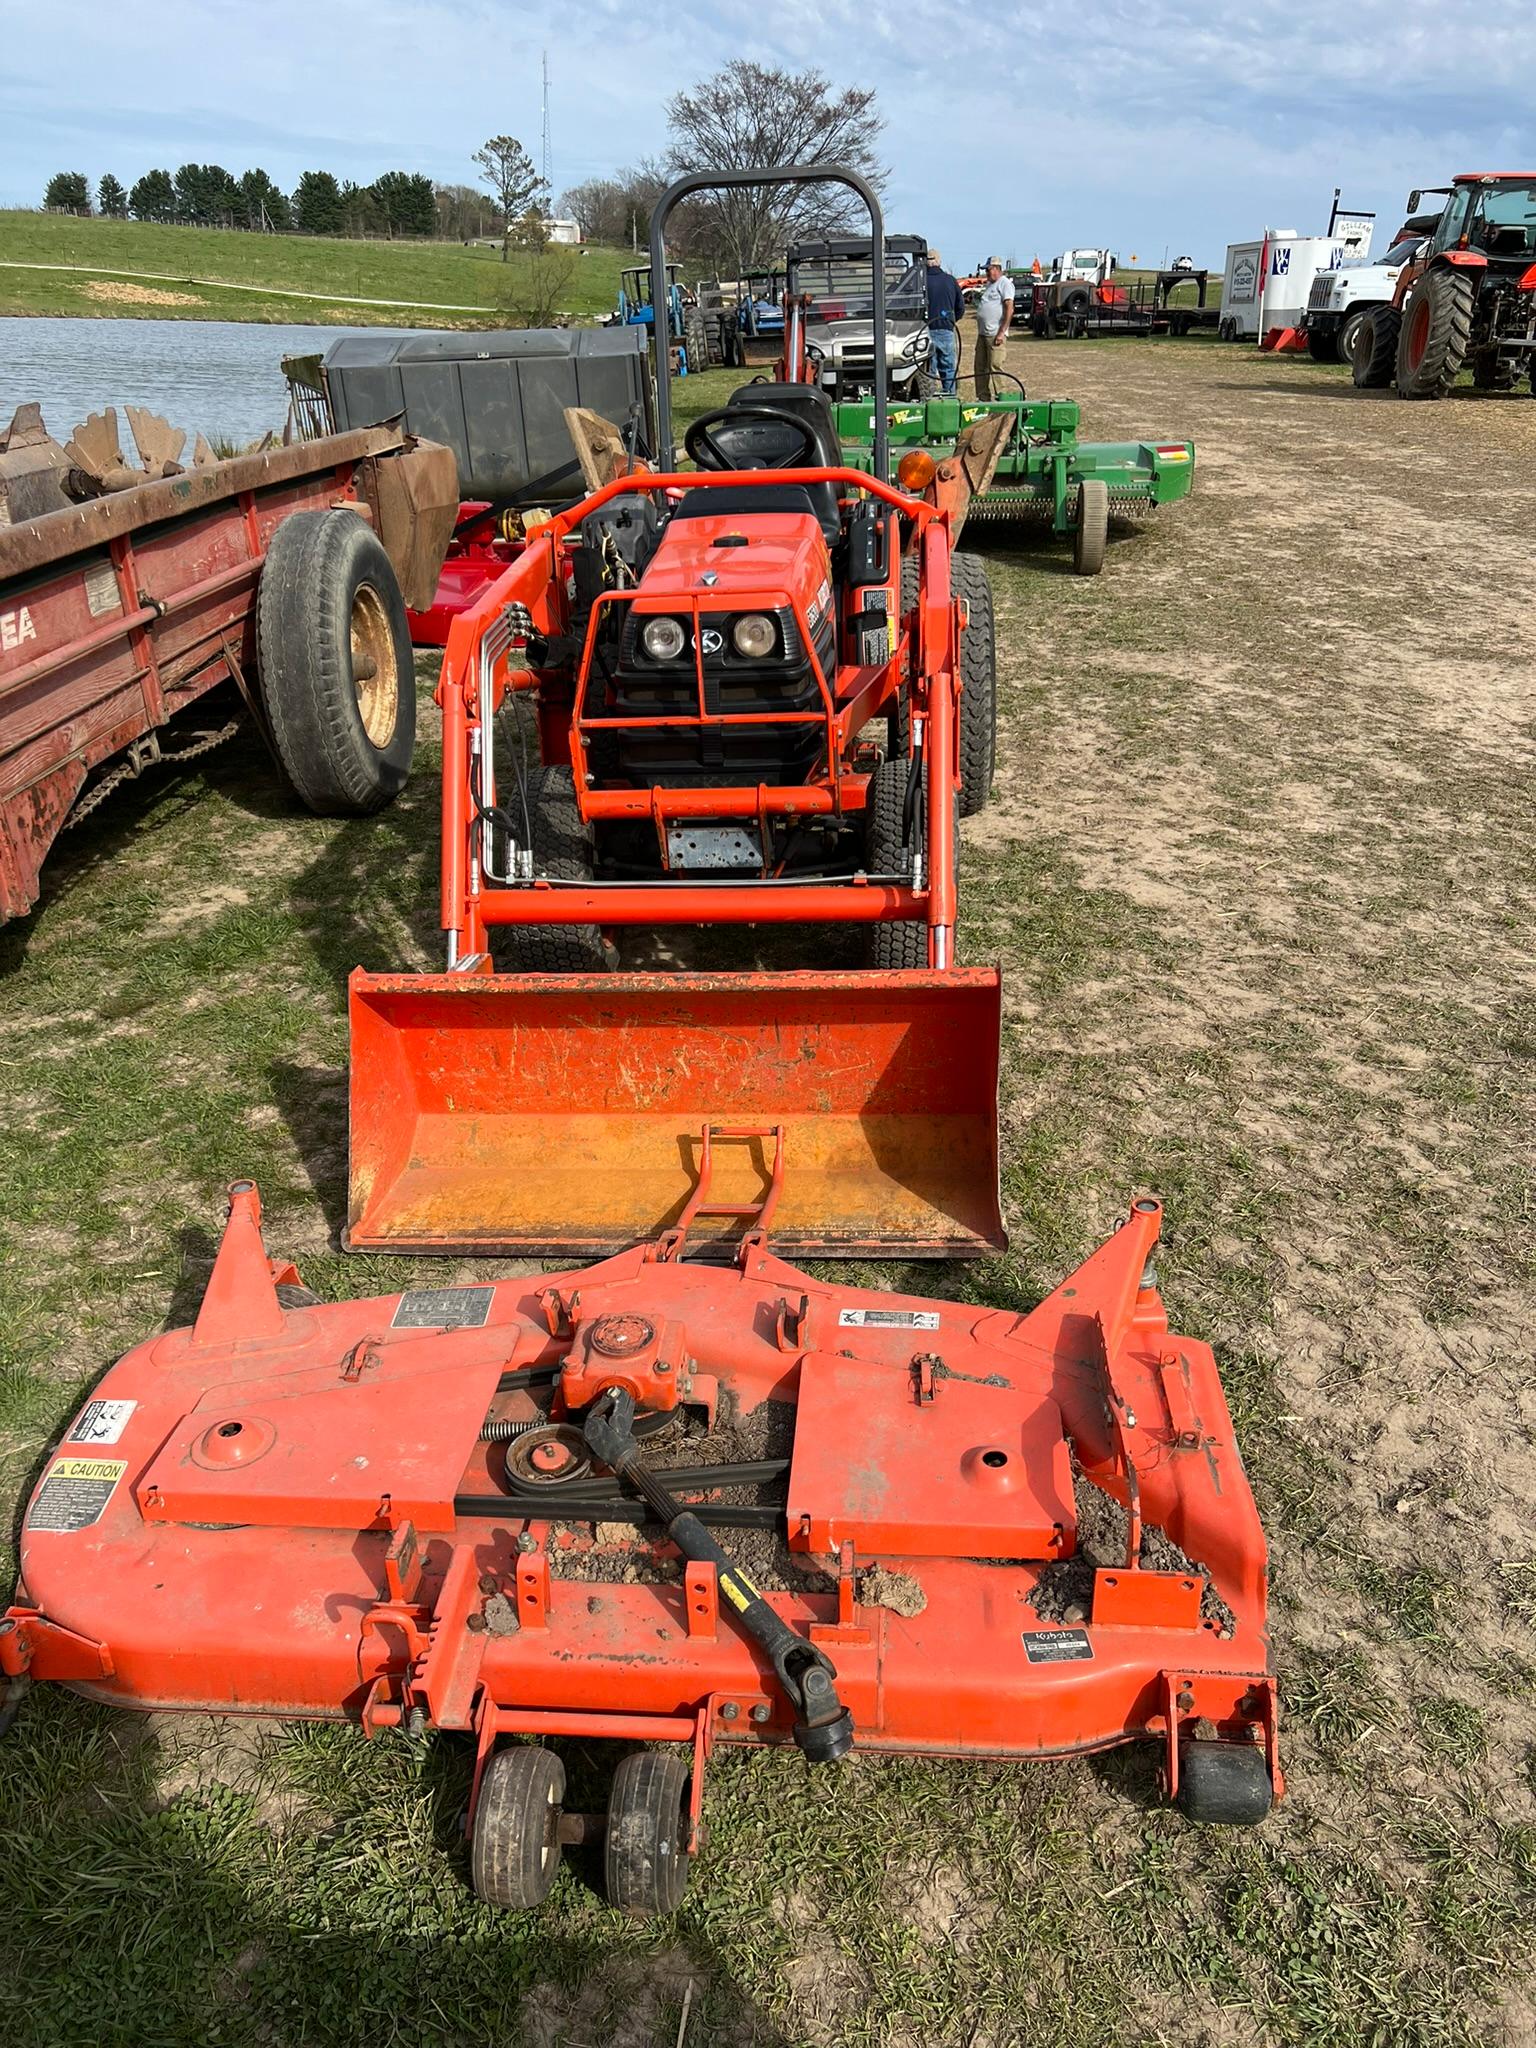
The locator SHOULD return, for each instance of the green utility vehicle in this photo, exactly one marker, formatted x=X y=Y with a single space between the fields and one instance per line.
x=1044 y=471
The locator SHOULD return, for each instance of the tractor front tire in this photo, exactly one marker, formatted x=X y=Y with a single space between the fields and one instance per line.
x=978 y=694
x=1090 y=528
x=889 y=851
x=562 y=850
x=1374 y=355
x=334 y=664
x=645 y=1855
x=1436 y=333
x=515 y=1848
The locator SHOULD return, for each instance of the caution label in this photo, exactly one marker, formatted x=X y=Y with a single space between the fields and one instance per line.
x=888 y=1319
x=101 y=1422
x=74 y=1494
x=1057 y=1645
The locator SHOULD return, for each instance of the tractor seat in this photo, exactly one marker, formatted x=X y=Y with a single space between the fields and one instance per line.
x=755 y=441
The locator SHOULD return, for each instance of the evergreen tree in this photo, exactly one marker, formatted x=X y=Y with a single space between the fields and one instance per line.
x=262 y=204
x=317 y=204
x=68 y=192
x=153 y=197
x=406 y=201
x=111 y=199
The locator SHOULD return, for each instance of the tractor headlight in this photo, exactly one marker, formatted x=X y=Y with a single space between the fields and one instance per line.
x=663 y=639
x=754 y=636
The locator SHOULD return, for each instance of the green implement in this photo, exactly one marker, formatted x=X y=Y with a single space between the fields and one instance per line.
x=1043 y=472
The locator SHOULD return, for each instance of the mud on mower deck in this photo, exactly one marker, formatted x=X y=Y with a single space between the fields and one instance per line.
x=527 y=1509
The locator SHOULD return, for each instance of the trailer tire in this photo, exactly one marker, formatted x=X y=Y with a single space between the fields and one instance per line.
x=1090 y=527
x=978 y=674
x=1436 y=333
x=1374 y=355
x=645 y=1855
x=1224 y=1784
x=327 y=604
x=515 y=1849
x=562 y=849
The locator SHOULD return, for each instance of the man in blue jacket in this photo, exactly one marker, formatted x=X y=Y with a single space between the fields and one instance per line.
x=946 y=304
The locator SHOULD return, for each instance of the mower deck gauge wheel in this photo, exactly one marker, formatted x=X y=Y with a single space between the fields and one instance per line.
x=515 y=1849
x=645 y=1855
x=1224 y=1784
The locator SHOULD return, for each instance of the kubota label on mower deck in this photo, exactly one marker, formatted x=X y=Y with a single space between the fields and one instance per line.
x=1057 y=1645
x=888 y=1319
x=74 y=1494
x=443 y=1308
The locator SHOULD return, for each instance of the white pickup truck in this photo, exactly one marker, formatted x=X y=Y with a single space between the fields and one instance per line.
x=1340 y=299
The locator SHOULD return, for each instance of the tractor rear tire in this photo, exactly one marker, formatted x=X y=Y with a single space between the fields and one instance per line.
x=645 y=1858
x=889 y=852
x=695 y=340
x=334 y=664
x=515 y=1849
x=1090 y=533
x=1323 y=344
x=1374 y=355
x=1224 y=1784
x=1436 y=333
x=562 y=849
x=978 y=694
x=978 y=676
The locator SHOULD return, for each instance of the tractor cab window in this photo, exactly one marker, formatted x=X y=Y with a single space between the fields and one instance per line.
x=1454 y=219
x=1504 y=220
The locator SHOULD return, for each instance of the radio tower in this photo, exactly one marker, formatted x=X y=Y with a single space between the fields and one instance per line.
x=544 y=160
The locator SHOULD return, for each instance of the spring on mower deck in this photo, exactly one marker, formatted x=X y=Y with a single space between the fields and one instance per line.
x=498 y=1431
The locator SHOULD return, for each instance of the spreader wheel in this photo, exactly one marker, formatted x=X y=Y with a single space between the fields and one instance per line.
x=562 y=850
x=1091 y=526
x=333 y=657
x=1224 y=1784
x=645 y=1858
x=515 y=1850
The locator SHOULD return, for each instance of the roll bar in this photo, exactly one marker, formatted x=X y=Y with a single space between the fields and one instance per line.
x=781 y=174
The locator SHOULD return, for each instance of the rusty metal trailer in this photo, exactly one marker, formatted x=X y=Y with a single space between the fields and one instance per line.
x=118 y=614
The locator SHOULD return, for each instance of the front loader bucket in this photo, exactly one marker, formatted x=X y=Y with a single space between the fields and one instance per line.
x=565 y=1114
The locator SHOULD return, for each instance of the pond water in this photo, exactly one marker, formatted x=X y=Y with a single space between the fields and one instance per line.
x=218 y=377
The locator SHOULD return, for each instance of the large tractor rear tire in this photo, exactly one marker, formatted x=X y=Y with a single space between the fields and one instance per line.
x=1374 y=355
x=334 y=664
x=978 y=694
x=978 y=676
x=1436 y=333
x=562 y=849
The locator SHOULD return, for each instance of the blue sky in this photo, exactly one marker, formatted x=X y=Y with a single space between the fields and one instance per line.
x=1024 y=128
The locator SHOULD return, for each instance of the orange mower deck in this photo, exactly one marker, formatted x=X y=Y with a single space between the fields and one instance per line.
x=392 y=1511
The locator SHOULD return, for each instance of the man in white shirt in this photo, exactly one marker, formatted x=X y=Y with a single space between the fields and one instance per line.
x=994 y=317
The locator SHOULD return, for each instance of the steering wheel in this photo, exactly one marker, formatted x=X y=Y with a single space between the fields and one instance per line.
x=705 y=450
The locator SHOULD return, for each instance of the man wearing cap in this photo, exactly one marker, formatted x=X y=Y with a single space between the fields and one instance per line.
x=946 y=304
x=994 y=317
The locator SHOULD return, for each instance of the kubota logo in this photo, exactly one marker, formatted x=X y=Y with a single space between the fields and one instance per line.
x=16 y=628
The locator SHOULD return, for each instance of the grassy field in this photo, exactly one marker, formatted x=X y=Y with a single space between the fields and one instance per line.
x=1259 y=870
x=134 y=268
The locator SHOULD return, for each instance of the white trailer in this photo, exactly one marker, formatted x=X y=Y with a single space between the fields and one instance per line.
x=1260 y=291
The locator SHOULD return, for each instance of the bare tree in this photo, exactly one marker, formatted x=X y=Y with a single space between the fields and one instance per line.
x=753 y=115
x=597 y=207
x=508 y=172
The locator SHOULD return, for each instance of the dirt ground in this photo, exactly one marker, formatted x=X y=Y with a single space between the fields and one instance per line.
x=1261 y=871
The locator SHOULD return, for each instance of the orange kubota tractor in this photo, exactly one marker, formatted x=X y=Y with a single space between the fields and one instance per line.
x=689 y=1495
x=760 y=692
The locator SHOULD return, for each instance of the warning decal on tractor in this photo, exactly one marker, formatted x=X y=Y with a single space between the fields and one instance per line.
x=74 y=1494
x=443 y=1308
x=1057 y=1645
x=887 y=1319
x=101 y=1422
